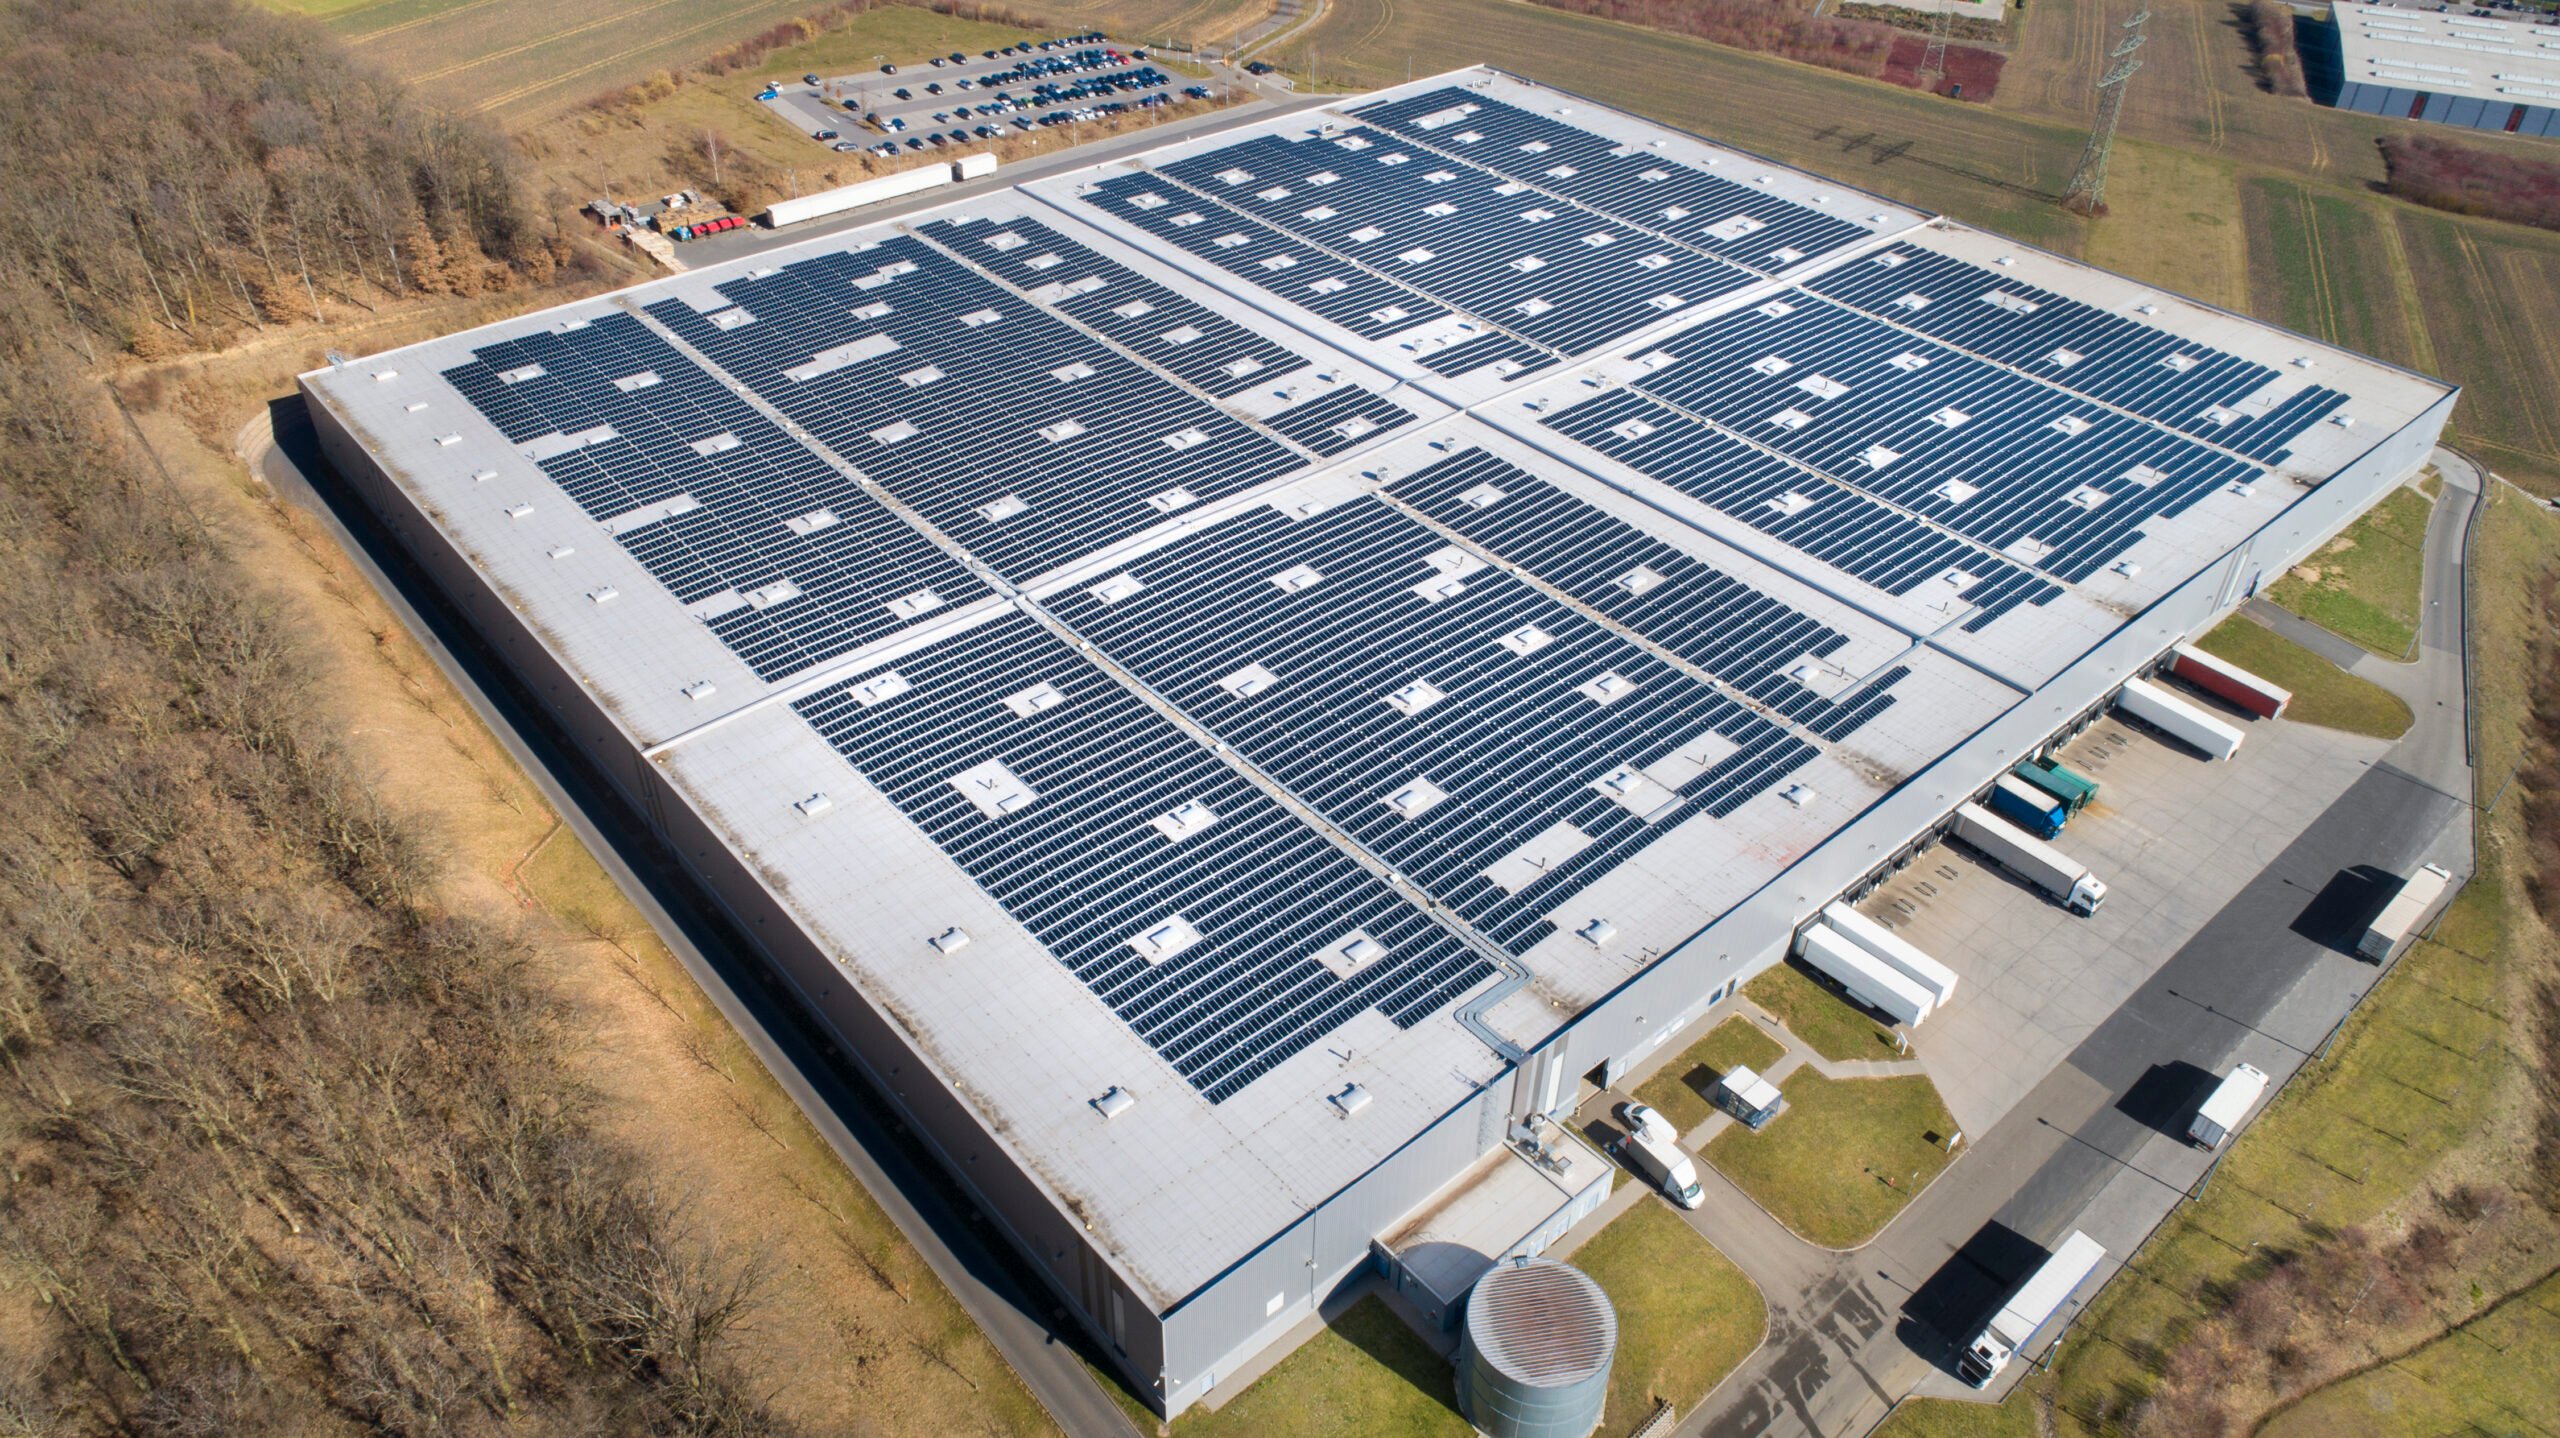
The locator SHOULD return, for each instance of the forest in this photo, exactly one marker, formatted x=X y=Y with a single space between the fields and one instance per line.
x=201 y=168
x=289 y=1147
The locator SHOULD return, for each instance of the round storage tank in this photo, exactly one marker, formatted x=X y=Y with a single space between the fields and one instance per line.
x=1535 y=1359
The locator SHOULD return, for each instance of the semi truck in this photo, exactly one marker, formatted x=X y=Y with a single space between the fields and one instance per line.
x=2224 y=679
x=2031 y=859
x=2229 y=1103
x=2027 y=806
x=1868 y=979
x=2068 y=785
x=1657 y=1155
x=2030 y=1308
x=2178 y=719
x=1904 y=956
x=2407 y=910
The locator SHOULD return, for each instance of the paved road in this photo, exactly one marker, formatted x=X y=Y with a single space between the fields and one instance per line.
x=2095 y=1145
x=970 y=1258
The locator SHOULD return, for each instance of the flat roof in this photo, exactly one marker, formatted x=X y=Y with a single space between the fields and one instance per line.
x=2450 y=52
x=1183 y=632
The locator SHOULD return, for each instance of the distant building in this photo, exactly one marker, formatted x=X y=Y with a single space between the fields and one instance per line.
x=2454 y=67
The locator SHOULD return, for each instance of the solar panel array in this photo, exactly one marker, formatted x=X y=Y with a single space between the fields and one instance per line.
x=1242 y=894
x=1633 y=184
x=1369 y=666
x=1674 y=601
x=1832 y=522
x=2112 y=358
x=2018 y=466
x=1026 y=440
x=786 y=559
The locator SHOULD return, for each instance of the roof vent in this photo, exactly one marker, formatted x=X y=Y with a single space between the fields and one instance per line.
x=1798 y=795
x=382 y=375
x=603 y=594
x=483 y=476
x=1351 y=1100
x=951 y=940
x=561 y=551
x=1597 y=932
x=700 y=690
x=814 y=805
x=1114 y=1102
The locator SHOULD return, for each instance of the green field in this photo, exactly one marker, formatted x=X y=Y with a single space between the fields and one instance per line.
x=1365 y=1373
x=1821 y=1018
x=2478 y=1379
x=1686 y=1315
x=2323 y=694
x=2364 y=584
x=1679 y=1092
x=1843 y=1158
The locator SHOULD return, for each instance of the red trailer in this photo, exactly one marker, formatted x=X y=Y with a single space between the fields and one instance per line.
x=2227 y=680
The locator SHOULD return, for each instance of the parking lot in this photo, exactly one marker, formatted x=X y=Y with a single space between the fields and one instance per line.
x=972 y=98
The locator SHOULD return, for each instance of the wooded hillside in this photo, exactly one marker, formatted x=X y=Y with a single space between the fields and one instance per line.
x=185 y=169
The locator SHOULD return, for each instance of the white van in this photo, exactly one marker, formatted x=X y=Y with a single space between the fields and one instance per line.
x=1650 y=1152
x=2231 y=1101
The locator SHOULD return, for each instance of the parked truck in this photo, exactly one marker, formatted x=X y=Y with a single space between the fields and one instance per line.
x=2178 y=719
x=2229 y=1103
x=2066 y=784
x=1904 y=956
x=2031 y=859
x=2030 y=1308
x=2027 y=806
x=1868 y=979
x=1659 y=1158
x=854 y=196
x=2227 y=680
x=2407 y=910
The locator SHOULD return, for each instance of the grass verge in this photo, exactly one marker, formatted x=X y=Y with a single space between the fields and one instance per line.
x=1844 y=1157
x=1366 y=1373
x=2478 y=1378
x=2323 y=694
x=2363 y=585
x=1686 y=1315
x=1823 y=1019
x=1679 y=1092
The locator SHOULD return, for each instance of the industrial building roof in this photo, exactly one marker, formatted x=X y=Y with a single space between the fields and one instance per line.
x=1178 y=632
x=2450 y=52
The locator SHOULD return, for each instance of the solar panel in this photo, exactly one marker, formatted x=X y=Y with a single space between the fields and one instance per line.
x=1446 y=715
x=1208 y=917
x=1027 y=441
x=713 y=499
x=2112 y=358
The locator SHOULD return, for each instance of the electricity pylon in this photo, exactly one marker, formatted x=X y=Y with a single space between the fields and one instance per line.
x=1933 y=62
x=2087 y=192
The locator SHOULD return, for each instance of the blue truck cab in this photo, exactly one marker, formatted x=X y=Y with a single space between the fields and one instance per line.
x=2028 y=807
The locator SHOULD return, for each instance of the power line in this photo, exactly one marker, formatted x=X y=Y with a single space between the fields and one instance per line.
x=2087 y=192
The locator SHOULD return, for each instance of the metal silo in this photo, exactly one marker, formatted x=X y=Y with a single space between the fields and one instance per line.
x=1535 y=1359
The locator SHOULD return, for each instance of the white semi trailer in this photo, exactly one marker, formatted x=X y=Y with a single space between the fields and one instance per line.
x=1905 y=957
x=2178 y=719
x=1869 y=980
x=2031 y=859
x=2229 y=1103
x=2030 y=1308
x=858 y=194
x=2407 y=910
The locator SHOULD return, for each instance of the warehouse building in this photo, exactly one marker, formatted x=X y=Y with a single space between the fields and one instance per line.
x=1240 y=680
x=2453 y=66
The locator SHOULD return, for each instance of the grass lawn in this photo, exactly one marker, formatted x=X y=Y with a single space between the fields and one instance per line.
x=1686 y=1315
x=1818 y=1016
x=1367 y=1373
x=2323 y=694
x=1679 y=1092
x=1820 y=1166
x=2364 y=583
x=1951 y=1418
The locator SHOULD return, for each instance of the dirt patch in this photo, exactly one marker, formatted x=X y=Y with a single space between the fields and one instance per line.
x=1972 y=73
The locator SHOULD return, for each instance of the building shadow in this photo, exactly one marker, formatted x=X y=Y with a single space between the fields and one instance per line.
x=1369 y=1326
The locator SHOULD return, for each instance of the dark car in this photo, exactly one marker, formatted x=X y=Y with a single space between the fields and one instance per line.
x=933 y=88
x=808 y=79
x=902 y=93
x=1259 y=67
x=959 y=59
x=826 y=134
x=888 y=69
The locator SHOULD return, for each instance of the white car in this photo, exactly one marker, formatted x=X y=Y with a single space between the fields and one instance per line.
x=1640 y=1118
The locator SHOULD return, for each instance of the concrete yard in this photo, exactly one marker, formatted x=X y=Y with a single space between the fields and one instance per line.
x=2174 y=836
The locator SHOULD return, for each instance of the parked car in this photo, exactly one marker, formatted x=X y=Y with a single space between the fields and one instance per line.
x=888 y=69
x=808 y=79
x=826 y=134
